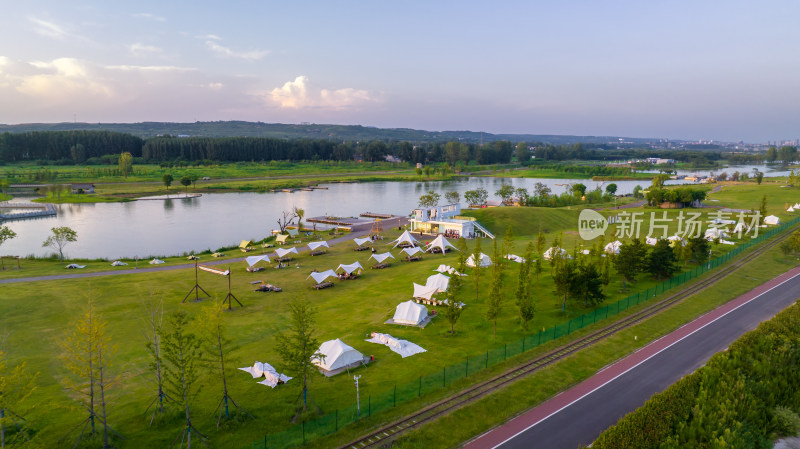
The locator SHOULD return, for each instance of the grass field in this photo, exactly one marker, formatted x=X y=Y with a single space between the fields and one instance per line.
x=37 y=315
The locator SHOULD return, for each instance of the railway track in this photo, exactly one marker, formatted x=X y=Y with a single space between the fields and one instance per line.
x=383 y=437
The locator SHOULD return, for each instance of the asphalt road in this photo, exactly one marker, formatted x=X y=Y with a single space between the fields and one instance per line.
x=576 y=417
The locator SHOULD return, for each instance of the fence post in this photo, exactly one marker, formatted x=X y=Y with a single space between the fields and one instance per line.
x=486 y=364
x=505 y=351
x=539 y=340
x=394 y=397
x=444 y=377
x=337 y=419
x=419 y=393
x=466 y=371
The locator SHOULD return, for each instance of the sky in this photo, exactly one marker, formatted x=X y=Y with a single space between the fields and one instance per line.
x=696 y=70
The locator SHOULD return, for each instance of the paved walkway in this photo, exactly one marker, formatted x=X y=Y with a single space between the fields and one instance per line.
x=388 y=223
x=576 y=417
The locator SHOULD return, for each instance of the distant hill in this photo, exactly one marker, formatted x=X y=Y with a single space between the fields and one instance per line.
x=313 y=131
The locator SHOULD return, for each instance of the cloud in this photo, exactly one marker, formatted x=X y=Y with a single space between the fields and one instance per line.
x=49 y=29
x=148 y=16
x=141 y=49
x=301 y=94
x=61 y=80
x=252 y=55
x=150 y=68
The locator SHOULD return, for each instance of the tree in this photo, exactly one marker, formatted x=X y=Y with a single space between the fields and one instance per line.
x=637 y=192
x=476 y=270
x=540 y=242
x=495 y=298
x=186 y=181
x=430 y=199
x=505 y=192
x=658 y=180
x=298 y=346
x=78 y=153
x=216 y=346
x=16 y=386
x=452 y=307
x=299 y=213
x=125 y=163
x=563 y=278
x=662 y=260
x=288 y=217
x=508 y=243
x=578 y=190
x=167 y=179
x=181 y=349
x=759 y=176
x=476 y=197
x=587 y=283
x=698 y=248
x=631 y=260
x=85 y=353
x=452 y=197
x=772 y=154
x=762 y=209
x=611 y=189
x=5 y=234
x=541 y=191
x=524 y=301
x=522 y=196
x=62 y=236
x=154 y=320
x=522 y=153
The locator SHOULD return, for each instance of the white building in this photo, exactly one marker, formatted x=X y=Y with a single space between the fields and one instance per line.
x=446 y=220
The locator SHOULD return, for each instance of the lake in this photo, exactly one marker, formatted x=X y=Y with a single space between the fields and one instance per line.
x=170 y=227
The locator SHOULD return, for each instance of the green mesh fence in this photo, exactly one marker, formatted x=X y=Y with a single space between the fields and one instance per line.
x=332 y=422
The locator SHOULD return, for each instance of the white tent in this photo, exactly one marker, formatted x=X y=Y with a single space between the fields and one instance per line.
x=727 y=242
x=651 y=241
x=740 y=228
x=336 y=354
x=448 y=269
x=74 y=265
x=721 y=221
x=410 y=312
x=282 y=252
x=515 y=258
x=314 y=245
x=268 y=372
x=411 y=251
x=548 y=255
x=281 y=238
x=441 y=243
x=381 y=257
x=439 y=281
x=350 y=268
x=117 y=263
x=293 y=232
x=360 y=242
x=790 y=209
x=156 y=262
x=403 y=347
x=676 y=239
x=797 y=205
x=485 y=261
x=424 y=291
x=320 y=277
x=252 y=260
x=613 y=247
x=715 y=233
x=405 y=237
x=771 y=220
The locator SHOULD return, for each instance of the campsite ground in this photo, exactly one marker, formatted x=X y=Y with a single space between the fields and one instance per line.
x=37 y=315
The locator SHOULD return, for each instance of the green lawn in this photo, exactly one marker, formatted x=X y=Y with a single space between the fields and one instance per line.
x=36 y=315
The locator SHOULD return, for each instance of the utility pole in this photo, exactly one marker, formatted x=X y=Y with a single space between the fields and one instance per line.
x=358 y=398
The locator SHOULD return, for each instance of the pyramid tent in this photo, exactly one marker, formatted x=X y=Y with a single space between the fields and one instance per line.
x=360 y=242
x=448 y=269
x=405 y=237
x=797 y=205
x=441 y=243
x=484 y=261
x=424 y=291
x=613 y=247
x=336 y=354
x=410 y=312
x=440 y=281
x=314 y=245
x=319 y=277
x=381 y=257
x=772 y=220
x=790 y=209
x=548 y=255
x=252 y=260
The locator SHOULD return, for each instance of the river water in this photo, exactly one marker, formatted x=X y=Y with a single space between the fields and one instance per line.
x=169 y=227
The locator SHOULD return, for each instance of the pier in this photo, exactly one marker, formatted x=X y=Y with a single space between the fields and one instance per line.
x=41 y=210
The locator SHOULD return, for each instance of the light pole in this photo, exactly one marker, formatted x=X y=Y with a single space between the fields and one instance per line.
x=358 y=398
x=709 y=260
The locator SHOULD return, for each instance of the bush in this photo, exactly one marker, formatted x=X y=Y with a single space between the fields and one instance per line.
x=787 y=422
